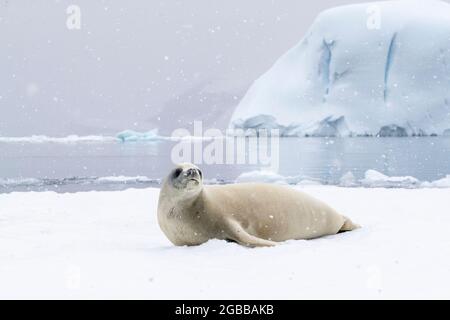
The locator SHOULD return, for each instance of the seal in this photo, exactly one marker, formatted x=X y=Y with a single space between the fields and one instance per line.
x=251 y=214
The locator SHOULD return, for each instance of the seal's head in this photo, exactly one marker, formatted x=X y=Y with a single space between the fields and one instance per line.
x=186 y=177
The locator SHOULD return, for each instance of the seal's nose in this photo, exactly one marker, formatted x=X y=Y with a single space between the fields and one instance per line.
x=191 y=172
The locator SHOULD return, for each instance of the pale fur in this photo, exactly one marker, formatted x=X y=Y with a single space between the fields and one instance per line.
x=251 y=214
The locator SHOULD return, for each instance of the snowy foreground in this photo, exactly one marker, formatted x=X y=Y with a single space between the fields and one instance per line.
x=108 y=245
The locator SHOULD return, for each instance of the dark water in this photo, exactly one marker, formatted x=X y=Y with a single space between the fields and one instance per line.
x=83 y=166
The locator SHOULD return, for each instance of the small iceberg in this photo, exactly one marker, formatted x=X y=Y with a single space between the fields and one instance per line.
x=125 y=179
x=266 y=176
x=131 y=136
x=348 y=180
x=372 y=179
x=392 y=130
x=375 y=179
x=441 y=183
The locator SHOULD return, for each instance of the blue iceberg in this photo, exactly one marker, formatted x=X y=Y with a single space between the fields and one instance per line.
x=131 y=136
x=348 y=77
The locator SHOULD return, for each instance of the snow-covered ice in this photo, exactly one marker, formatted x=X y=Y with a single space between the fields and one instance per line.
x=268 y=177
x=96 y=181
x=123 y=136
x=441 y=183
x=131 y=135
x=372 y=179
x=379 y=68
x=68 y=139
x=125 y=179
x=108 y=245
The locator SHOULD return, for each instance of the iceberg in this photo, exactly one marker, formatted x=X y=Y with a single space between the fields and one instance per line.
x=262 y=176
x=253 y=125
x=348 y=180
x=372 y=179
x=375 y=179
x=131 y=136
x=125 y=179
x=392 y=131
x=441 y=183
x=348 y=77
x=331 y=127
x=267 y=176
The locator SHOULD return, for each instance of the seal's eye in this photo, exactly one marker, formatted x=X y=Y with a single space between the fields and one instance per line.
x=200 y=173
x=177 y=172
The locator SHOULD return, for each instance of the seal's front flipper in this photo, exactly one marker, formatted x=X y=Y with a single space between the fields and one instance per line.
x=239 y=235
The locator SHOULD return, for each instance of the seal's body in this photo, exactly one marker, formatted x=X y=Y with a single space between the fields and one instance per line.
x=251 y=214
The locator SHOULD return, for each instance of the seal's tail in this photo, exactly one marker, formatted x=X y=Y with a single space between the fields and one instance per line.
x=349 y=225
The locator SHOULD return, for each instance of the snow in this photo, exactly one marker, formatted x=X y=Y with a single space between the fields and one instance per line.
x=345 y=78
x=108 y=245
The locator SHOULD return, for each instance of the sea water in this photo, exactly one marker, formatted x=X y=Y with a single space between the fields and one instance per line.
x=114 y=165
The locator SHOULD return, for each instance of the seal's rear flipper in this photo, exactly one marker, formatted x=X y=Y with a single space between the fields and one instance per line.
x=349 y=225
x=239 y=235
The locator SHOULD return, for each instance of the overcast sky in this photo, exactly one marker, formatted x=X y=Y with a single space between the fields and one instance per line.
x=138 y=64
